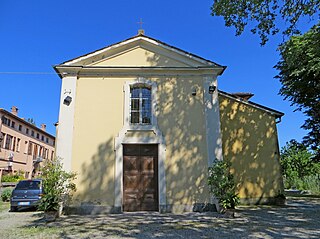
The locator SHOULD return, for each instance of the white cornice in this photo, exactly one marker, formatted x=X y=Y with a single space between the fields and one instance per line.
x=93 y=71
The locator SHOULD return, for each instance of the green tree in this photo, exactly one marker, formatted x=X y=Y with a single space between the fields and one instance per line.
x=297 y=164
x=299 y=74
x=265 y=15
x=57 y=184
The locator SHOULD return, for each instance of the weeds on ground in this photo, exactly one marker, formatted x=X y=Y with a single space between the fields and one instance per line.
x=34 y=232
x=4 y=206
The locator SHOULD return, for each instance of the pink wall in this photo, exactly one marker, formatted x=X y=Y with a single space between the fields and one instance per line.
x=19 y=150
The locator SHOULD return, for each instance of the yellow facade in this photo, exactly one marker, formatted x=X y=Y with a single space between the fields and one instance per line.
x=250 y=142
x=99 y=118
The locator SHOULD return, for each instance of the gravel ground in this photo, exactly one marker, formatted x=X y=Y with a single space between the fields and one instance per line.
x=298 y=219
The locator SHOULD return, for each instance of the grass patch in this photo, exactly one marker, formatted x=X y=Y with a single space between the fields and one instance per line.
x=35 y=232
x=39 y=230
x=4 y=206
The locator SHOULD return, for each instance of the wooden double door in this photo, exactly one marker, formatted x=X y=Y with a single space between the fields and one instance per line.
x=140 y=177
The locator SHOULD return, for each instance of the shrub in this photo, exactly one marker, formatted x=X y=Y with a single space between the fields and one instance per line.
x=13 y=177
x=222 y=185
x=57 y=184
x=6 y=194
x=310 y=183
x=299 y=169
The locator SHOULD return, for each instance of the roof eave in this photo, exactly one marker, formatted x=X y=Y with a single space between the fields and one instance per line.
x=276 y=113
x=26 y=122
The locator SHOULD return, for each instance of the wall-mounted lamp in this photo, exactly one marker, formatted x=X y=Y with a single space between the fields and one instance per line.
x=194 y=91
x=67 y=92
x=67 y=100
x=212 y=89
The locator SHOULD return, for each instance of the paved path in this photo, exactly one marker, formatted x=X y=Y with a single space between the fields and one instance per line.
x=298 y=219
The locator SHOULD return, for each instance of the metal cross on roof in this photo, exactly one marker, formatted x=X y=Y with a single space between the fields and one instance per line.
x=140 y=31
x=140 y=22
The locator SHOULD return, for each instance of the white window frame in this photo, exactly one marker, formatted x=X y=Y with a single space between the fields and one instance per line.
x=127 y=105
x=140 y=98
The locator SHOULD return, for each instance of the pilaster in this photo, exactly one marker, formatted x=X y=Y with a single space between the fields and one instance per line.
x=66 y=121
x=212 y=116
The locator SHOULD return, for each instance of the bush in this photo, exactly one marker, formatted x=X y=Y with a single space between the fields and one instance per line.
x=57 y=184
x=222 y=184
x=300 y=171
x=310 y=183
x=12 y=177
x=6 y=194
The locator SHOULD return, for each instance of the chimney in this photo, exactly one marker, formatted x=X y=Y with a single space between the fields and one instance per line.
x=14 y=110
x=43 y=127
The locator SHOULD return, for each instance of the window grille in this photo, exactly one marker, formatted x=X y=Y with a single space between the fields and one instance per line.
x=140 y=104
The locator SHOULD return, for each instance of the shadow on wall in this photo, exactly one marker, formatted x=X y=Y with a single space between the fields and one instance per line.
x=96 y=181
x=181 y=120
x=250 y=142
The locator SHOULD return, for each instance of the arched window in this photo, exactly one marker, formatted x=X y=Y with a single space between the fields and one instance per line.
x=140 y=104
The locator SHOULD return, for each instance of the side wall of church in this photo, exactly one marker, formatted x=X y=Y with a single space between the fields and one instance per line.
x=250 y=142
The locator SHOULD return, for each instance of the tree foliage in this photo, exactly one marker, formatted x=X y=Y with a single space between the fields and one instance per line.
x=265 y=14
x=57 y=184
x=297 y=164
x=299 y=74
x=6 y=194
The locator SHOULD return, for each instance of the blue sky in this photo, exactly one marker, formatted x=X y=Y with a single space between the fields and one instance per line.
x=35 y=35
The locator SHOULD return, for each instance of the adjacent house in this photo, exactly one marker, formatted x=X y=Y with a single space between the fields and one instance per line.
x=23 y=146
x=141 y=121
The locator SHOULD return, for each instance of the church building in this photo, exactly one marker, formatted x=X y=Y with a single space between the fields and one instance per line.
x=141 y=122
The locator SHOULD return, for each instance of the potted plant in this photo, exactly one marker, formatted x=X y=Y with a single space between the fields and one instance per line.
x=58 y=187
x=222 y=185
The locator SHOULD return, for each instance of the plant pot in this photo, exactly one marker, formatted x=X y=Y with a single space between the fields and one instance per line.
x=280 y=200
x=51 y=216
x=229 y=213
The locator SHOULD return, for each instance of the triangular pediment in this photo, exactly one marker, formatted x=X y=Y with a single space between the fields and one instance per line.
x=142 y=57
x=140 y=51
